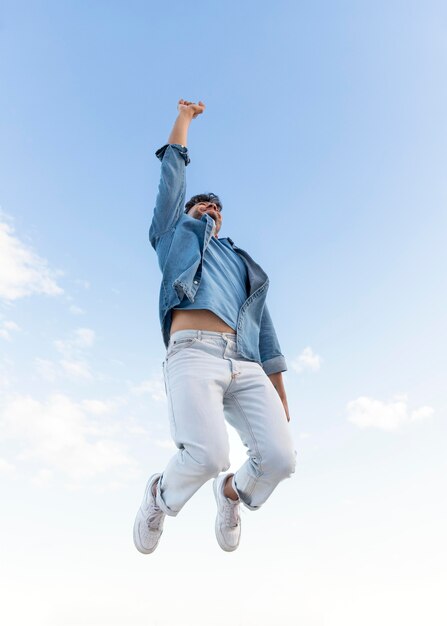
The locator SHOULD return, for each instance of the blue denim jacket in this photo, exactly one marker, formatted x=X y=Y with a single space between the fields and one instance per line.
x=180 y=242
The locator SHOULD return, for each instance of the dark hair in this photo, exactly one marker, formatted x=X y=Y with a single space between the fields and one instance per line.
x=203 y=197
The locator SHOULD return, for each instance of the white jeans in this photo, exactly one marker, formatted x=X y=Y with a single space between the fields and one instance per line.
x=208 y=382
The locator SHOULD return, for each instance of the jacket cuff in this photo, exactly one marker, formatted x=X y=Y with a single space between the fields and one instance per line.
x=275 y=365
x=183 y=150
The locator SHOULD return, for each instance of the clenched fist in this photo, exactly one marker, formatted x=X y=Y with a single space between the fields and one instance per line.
x=191 y=107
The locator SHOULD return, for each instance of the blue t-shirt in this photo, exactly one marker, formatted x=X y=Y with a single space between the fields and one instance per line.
x=224 y=283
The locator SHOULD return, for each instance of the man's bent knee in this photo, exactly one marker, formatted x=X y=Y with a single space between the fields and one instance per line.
x=280 y=465
x=212 y=465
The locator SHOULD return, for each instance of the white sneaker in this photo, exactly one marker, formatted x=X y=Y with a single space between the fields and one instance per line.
x=148 y=525
x=228 y=521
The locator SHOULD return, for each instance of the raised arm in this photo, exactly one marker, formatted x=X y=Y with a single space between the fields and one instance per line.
x=174 y=158
x=187 y=112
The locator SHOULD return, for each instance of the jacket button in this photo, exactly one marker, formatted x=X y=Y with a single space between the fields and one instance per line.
x=196 y=282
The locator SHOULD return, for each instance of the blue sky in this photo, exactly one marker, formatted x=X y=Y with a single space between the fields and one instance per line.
x=325 y=136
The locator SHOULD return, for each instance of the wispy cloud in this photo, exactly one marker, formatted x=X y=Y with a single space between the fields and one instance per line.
x=76 y=310
x=83 y=338
x=63 y=439
x=366 y=412
x=77 y=369
x=154 y=387
x=168 y=444
x=101 y=407
x=42 y=478
x=6 y=328
x=74 y=365
x=22 y=271
x=6 y=377
x=46 y=369
x=6 y=467
x=308 y=360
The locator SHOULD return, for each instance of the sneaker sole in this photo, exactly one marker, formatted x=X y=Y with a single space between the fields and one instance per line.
x=219 y=536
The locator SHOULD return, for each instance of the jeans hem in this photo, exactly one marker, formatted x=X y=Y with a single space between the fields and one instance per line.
x=162 y=504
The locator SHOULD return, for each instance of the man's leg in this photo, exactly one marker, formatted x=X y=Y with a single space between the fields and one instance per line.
x=196 y=379
x=195 y=385
x=254 y=408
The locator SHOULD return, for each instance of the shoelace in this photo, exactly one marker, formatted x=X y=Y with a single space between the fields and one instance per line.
x=154 y=519
x=231 y=516
x=155 y=516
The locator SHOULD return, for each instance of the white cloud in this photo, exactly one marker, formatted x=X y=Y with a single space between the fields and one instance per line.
x=46 y=369
x=83 y=338
x=5 y=381
x=6 y=376
x=367 y=412
x=42 y=478
x=134 y=427
x=100 y=407
x=168 y=444
x=6 y=328
x=22 y=271
x=152 y=386
x=76 y=310
x=6 y=467
x=307 y=360
x=62 y=439
x=9 y=325
x=422 y=413
x=76 y=369
x=72 y=369
x=74 y=364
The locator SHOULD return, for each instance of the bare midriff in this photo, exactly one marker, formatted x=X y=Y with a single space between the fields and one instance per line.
x=198 y=319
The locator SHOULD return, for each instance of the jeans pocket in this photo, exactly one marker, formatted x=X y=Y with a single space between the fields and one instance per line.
x=179 y=344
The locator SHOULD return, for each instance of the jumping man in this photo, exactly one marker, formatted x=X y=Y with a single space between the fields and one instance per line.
x=223 y=360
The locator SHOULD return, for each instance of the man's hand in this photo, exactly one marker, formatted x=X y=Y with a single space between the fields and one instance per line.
x=277 y=382
x=191 y=107
x=187 y=111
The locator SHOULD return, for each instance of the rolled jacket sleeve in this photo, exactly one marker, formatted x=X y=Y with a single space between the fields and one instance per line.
x=272 y=359
x=182 y=150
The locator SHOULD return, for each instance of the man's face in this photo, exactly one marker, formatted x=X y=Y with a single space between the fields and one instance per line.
x=211 y=208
